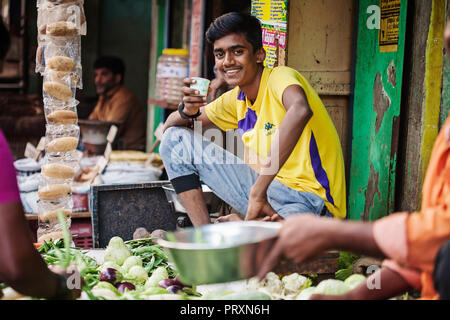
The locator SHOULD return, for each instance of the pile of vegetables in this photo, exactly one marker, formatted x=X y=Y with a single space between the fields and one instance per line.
x=132 y=270
x=138 y=270
x=299 y=287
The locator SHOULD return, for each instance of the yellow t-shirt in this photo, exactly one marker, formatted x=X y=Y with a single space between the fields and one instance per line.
x=316 y=164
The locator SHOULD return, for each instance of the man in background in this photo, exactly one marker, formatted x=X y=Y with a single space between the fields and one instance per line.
x=118 y=104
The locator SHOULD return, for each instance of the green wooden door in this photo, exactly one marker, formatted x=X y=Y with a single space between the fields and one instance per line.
x=376 y=108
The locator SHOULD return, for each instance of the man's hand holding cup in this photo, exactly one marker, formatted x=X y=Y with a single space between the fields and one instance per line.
x=195 y=92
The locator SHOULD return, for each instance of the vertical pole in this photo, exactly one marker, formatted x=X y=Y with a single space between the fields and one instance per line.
x=197 y=38
x=433 y=81
x=157 y=44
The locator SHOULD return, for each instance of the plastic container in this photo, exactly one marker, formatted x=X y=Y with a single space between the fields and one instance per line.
x=171 y=71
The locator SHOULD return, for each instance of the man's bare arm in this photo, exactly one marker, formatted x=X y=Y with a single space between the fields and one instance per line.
x=297 y=116
x=21 y=266
x=304 y=237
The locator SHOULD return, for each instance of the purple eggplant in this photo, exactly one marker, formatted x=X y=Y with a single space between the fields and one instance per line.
x=167 y=283
x=174 y=289
x=125 y=286
x=109 y=275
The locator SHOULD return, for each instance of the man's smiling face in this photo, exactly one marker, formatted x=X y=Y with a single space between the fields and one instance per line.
x=236 y=59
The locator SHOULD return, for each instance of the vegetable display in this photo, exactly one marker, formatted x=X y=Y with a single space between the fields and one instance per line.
x=139 y=270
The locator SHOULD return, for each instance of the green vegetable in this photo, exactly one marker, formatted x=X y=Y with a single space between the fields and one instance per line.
x=130 y=262
x=332 y=287
x=346 y=259
x=132 y=244
x=354 y=281
x=107 y=285
x=345 y=265
x=105 y=290
x=117 y=251
x=154 y=290
x=137 y=275
x=112 y=265
x=305 y=294
x=343 y=274
x=62 y=220
x=158 y=275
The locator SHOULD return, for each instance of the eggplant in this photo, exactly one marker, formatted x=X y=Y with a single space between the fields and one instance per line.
x=125 y=286
x=174 y=289
x=172 y=282
x=167 y=283
x=109 y=275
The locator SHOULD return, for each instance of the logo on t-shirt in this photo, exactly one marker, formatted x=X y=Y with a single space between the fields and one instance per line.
x=270 y=128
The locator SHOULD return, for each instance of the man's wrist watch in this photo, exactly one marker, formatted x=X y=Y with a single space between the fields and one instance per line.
x=184 y=115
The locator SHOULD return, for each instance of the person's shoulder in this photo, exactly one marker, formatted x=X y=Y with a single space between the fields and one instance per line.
x=124 y=92
x=282 y=71
x=230 y=96
x=124 y=95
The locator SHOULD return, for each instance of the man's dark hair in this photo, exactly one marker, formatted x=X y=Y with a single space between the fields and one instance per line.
x=236 y=22
x=5 y=40
x=113 y=64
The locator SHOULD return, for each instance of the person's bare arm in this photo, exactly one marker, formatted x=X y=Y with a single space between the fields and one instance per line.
x=21 y=266
x=297 y=116
x=304 y=237
x=383 y=284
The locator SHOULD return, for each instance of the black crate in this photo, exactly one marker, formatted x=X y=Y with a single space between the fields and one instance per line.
x=118 y=210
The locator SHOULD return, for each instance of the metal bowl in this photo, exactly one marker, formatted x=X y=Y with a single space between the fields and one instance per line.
x=219 y=253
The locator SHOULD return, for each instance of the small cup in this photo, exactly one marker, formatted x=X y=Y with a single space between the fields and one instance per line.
x=201 y=85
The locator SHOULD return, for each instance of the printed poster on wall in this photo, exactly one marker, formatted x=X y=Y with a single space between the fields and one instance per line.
x=273 y=16
x=389 y=25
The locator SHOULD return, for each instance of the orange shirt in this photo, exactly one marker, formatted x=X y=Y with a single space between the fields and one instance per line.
x=413 y=240
x=120 y=105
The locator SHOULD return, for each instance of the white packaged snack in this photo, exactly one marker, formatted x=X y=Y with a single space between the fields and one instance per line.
x=61 y=54
x=52 y=192
x=62 y=19
x=62 y=138
x=61 y=115
x=48 y=211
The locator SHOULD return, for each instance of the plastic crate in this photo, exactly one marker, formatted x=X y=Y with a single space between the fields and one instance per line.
x=82 y=234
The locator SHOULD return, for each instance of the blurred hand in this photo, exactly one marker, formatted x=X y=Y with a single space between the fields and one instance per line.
x=192 y=102
x=75 y=281
x=332 y=297
x=300 y=238
x=258 y=206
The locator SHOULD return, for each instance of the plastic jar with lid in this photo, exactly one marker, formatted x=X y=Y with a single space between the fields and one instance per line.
x=171 y=71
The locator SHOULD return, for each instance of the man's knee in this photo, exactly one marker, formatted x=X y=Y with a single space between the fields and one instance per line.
x=170 y=137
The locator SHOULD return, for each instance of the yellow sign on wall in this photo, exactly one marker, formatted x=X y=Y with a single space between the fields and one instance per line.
x=273 y=17
x=389 y=25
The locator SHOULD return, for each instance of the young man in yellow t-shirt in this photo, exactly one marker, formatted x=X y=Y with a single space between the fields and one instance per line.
x=279 y=117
